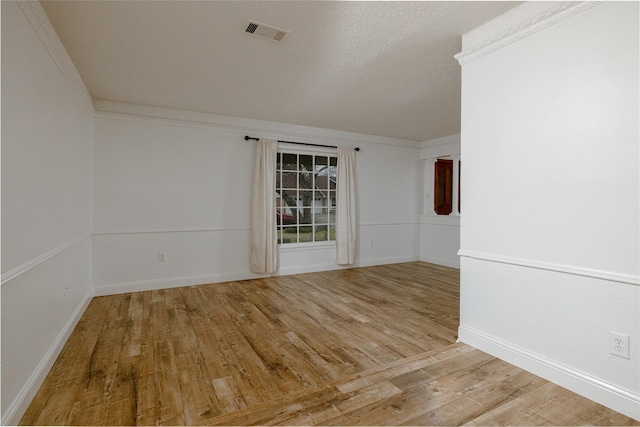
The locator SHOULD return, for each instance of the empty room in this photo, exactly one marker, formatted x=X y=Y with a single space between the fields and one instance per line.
x=320 y=213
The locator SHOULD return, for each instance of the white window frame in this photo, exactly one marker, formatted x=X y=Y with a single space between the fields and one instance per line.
x=284 y=148
x=430 y=177
x=441 y=148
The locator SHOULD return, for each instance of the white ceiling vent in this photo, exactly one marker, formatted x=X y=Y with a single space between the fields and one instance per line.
x=266 y=31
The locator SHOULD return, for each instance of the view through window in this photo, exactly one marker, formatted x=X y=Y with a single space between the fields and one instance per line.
x=306 y=197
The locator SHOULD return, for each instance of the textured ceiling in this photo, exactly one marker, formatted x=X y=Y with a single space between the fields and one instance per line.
x=379 y=68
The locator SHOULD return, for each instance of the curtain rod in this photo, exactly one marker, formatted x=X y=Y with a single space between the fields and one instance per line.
x=247 y=138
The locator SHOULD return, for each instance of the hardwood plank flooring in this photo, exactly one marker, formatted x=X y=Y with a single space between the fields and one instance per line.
x=363 y=346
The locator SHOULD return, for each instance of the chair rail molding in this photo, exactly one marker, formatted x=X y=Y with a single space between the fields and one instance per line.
x=21 y=269
x=560 y=268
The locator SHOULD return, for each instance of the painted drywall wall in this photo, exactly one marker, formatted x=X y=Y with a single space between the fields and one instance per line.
x=184 y=189
x=549 y=235
x=46 y=244
x=440 y=240
x=439 y=234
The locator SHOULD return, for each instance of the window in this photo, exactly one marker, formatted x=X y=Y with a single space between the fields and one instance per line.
x=306 y=197
x=443 y=191
x=443 y=186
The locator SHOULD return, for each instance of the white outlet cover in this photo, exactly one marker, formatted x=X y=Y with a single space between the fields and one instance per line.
x=619 y=345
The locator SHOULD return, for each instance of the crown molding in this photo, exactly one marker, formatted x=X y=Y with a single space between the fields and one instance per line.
x=542 y=20
x=257 y=128
x=39 y=21
x=444 y=146
x=41 y=24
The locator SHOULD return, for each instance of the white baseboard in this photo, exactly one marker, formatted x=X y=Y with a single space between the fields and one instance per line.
x=175 y=282
x=302 y=269
x=609 y=395
x=172 y=282
x=389 y=260
x=20 y=404
x=328 y=267
x=453 y=263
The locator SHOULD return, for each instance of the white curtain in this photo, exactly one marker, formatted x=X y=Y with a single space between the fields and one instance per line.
x=264 y=255
x=346 y=207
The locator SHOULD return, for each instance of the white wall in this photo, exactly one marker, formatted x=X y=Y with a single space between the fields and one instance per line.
x=550 y=230
x=439 y=234
x=182 y=186
x=164 y=181
x=46 y=244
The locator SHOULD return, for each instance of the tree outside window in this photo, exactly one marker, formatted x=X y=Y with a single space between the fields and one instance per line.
x=305 y=197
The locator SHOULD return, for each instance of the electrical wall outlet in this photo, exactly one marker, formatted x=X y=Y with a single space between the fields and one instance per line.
x=619 y=344
x=162 y=257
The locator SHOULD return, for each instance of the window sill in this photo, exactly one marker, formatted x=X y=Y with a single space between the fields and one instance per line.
x=294 y=247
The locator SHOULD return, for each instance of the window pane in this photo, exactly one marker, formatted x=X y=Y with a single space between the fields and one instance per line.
x=305 y=180
x=289 y=215
x=322 y=182
x=443 y=183
x=322 y=233
x=289 y=235
x=319 y=199
x=333 y=173
x=289 y=180
x=289 y=161
x=285 y=216
x=306 y=198
x=322 y=164
x=306 y=234
x=306 y=162
x=332 y=202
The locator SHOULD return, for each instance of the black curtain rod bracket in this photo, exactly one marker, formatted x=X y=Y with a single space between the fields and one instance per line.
x=247 y=138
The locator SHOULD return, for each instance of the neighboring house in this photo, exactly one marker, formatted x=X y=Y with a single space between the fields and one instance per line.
x=319 y=196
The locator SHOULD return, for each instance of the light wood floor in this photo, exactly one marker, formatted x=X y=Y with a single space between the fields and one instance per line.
x=372 y=346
